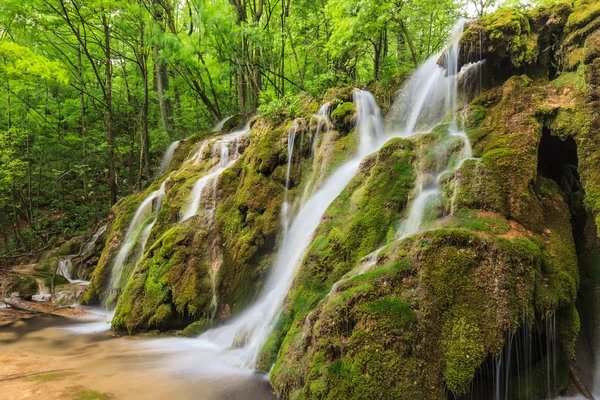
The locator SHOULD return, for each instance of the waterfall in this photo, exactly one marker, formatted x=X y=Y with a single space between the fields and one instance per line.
x=64 y=268
x=91 y=243
x=423 y=103
x=167 y=157
x=221 y=144
x=137 y=233
x=369 y=123
x=219 y=125
x=65 y=265
x=285 y=207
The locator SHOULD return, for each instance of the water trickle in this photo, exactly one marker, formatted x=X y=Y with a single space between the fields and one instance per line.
x=323 y=126
x=137 y=234
x=197 y=157
x=285 y=207
x=369 y=122
x=323 y=123
x=64 y=268
x=238 y=342
x=167 y=158
x=219 y=125
x=225 y=161
x=91 y=244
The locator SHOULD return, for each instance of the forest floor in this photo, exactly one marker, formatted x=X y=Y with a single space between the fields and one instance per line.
x=40 y=357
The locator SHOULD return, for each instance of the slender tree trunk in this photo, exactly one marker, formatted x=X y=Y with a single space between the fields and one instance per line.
x=82 y=123
x=144 y=137
x=410 y=44
x=8 y=110
x=162 y=86
x=112 y=173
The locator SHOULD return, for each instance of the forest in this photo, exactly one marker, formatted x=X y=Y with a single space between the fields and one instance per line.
x=300 y=199
x=93 y=92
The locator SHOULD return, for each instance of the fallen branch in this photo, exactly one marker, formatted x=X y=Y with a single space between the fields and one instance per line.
x=578 y=384
x=18 y=304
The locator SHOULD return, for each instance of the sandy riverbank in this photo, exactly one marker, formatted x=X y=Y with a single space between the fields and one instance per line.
x=40 y=358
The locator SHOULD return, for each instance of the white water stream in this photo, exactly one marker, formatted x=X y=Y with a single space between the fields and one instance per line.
x=222 y=145
x=167 y=158
x=137 y=234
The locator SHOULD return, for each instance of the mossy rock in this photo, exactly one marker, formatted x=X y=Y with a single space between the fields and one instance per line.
x=24 y=285
x=196 y=328
x=344 y=116
x=70 y=247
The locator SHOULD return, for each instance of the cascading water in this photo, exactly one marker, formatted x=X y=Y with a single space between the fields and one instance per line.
x=368 y=121
x=285 y=208
x=91 y=243
x=238 y=343
x=219 y=125
x=65 y=265
x=225 y=161
x=167 y=158
x=137 y=233
x=64 y=268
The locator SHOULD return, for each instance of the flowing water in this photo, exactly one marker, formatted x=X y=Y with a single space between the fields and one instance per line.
x=167 y=158
x=137 y=235
x=236 y=344
x=219 y=125
x=286 y=207
x=91 y=243
x=221 y=152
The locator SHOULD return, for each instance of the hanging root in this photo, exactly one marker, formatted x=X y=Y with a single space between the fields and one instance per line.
x=578 y=384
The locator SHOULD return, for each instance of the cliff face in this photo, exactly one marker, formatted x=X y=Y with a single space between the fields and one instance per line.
x=203 y=269
x=509 y=258
x=513 y=258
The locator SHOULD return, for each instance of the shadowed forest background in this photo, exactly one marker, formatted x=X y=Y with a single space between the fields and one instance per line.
x=93 y=92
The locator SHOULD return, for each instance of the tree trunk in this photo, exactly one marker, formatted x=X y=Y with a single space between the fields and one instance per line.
x=82 y=122
x=112 y=173
x=162 y=86
x=144 y=137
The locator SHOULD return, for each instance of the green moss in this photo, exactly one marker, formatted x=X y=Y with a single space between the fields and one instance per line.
x=344 y=115
x=196 y=328
x=70 y=247
x=82 y=393
x=464 y=352
x=25 y=285
x=393 y=307
x=49 y=376
x=504 y=34
x=584 y=11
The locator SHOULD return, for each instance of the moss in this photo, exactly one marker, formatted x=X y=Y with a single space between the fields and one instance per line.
x=196 y=328
x=584 y=11
x=82 y=393
x=464 y=351
x=49 y=376
x=70 y=247
x=504 y=35
x=170 y=284
x=344 y=115
x=25 y=285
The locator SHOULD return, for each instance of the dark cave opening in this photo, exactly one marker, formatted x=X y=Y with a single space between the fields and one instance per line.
x=557 y=160
x=532 y=355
